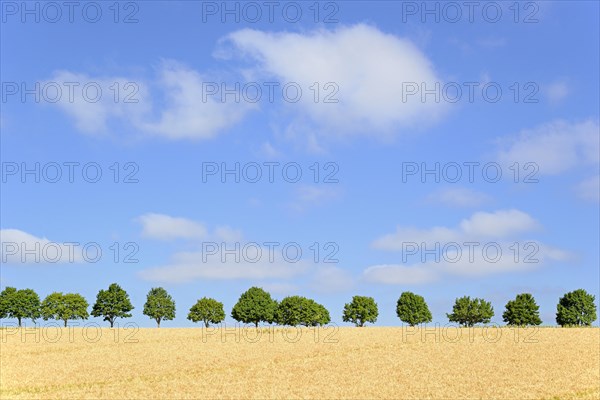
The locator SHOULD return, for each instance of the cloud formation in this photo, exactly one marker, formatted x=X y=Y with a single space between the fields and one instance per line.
x=369 y=70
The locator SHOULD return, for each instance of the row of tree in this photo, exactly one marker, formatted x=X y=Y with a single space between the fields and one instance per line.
x=254 y=306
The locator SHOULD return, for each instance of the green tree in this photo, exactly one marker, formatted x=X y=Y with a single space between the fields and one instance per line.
x=468 y=312
x=298 y=310
x=19 y=304
x=522 y=311
x=64 y=307
x=210 y=311
x=254 y=306
x=159 y=305
x=292 y=310
x=320 y=315
x=360 y=310
x=412 y=309
x=112 y=304
x=576 y=308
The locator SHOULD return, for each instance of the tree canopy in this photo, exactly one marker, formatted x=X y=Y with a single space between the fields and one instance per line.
x=468 y=312
x=64 y=307
x=412 y=309
x=360 y=310
x=298 y=310
x=254 y=305
x=208 y=310
x=159 y=306
x=19 y=304
x=112 y=304
x=577 y=308
x=522 y=311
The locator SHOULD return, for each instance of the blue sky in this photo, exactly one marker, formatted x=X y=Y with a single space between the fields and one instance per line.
x=388 y=90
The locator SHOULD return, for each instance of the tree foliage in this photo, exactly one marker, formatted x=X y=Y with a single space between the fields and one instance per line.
x=210 y=311
x=360 y=310
x=522 y=311
x=298 y=310
x=412 y=309
x=64 y=307
x=468 y=312
x=159 y=306
x=576 y=308
x=254 y=306
x=112 y=304
x=19 y=304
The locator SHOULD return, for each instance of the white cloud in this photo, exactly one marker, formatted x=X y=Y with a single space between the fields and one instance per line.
x=399 y=274
x=328 y=279
x=589 y=189
x=555 y=147
x=165 y=227
x=394 y=241
x=93 y=101
x=498 y=224
x=225 y=257
x=473 y=260
x=498 y=257
x=486 y=243
x=269 y=151
x=253 y=265
x=480 y=226
x=459 y=197
x=556 y=91
x=368 y=66
x=227 y=234
x=190 y=111
x=311 y=195
x=19 y=247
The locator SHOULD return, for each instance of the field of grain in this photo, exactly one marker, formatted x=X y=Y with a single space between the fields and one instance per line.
x=332 y=363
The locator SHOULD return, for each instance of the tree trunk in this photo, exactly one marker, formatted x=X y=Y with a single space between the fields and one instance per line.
x=112 y=322
x=19 y=318
x=256 y=325
x=206 y=324
x=65 y=322
x=158 y=323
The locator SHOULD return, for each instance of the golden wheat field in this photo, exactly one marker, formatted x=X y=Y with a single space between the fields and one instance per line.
x=331 y=363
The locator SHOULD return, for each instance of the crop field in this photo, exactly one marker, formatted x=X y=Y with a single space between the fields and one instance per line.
x=328 y=362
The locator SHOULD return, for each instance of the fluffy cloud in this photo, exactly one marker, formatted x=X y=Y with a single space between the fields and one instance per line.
x=399 y=274
x=360 y=73
x=165 y=227
x=260 y=264
x=556 y=91
x=589 y=189
x=459 y=197
x=328 y=279
x=499 y=224
x=555 y=147
x=369 y=67
x=191 y=112
x=19 y=247
x=468 y=261
x=480 y=226
x=225 y=256
x=93 y=101
x=310 y=195
x=486 y=243
x=188 y=109
x=227 y=234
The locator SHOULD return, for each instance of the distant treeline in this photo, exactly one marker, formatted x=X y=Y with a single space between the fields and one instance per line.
x=256 y=306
